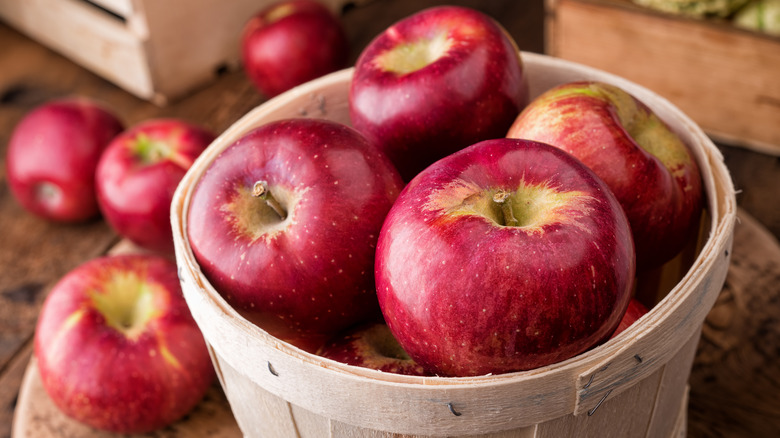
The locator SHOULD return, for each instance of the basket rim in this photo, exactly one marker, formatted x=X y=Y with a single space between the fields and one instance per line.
x=721 y=202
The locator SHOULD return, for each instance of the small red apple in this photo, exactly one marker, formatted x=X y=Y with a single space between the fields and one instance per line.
x=649 y=168
x=507 y=255
x=52 y=155
x=435 y=82
x=291 y=42
x=634 y=311
x=138 y=173
x=117 y=347
x=371 y=346
x=284 y=224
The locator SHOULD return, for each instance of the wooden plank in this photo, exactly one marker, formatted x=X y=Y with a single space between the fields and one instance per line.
x=86 y=35
x=672 y=390
x=632 y=404
x=122 y=8
x=712 y=71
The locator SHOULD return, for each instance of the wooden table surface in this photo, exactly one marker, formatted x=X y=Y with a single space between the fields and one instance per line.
x=736 y=377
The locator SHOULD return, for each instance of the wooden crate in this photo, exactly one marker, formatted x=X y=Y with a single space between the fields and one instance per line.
x=724 y=78
x=156 y=49
x=632 y=386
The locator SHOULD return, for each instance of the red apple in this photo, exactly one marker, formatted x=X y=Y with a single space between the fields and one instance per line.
x=647 y=165
x=436 y=82
x=284 y=225
x=52 y=155
x=372 y=346
x=138 y=173
x=507 y=255
x=291 y=42
x=634 y=311
x=117 y=347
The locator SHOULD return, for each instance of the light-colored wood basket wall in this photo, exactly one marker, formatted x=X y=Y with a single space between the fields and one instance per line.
x=156 y=49
x=634 y=385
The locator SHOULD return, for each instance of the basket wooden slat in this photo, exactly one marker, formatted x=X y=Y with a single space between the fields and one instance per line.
x=633 y=385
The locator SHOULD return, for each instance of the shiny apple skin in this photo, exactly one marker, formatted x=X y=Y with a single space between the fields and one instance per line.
x=661 y=195
x=634 y=311
x=135 y=192
x=373 y=346
x=103 y=378
x=471 y=93
x=291 y=42
x=52 y=155
x=310 y=275
x=466 y=296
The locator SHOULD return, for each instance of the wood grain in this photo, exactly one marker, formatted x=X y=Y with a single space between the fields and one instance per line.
x=713 y=71
x=735 y=380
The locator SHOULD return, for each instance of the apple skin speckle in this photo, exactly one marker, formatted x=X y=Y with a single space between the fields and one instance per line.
x=571 y=262
x=316 y=282
x=468 y=86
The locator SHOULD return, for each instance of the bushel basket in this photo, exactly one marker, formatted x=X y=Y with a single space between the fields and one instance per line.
x=635 y=385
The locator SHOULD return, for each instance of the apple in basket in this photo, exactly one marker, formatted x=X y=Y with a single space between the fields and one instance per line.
x=634 y=311
x=138 y=173
x=507 y=255
x=284 y=224
x=117 y=347
x=371 y=345
x=435 y=82
x=52 y=155
x=291 y=42
x=647 y=165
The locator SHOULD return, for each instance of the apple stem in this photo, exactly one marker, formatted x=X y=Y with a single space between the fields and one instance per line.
x=501 y=197
x=260 y=190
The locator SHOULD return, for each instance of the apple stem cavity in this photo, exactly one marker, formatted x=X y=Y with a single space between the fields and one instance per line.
x=149 y=150
x=503 y=199
x=412 y=56
x=260 y=190
x=127 y=304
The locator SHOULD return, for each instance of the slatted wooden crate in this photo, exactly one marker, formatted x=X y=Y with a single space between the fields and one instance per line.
x=156 y=49
x=632 y=386
x=724 y=78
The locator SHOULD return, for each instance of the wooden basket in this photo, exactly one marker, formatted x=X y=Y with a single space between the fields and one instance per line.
x=157 y=50
x=634 y=385
x=723 y=77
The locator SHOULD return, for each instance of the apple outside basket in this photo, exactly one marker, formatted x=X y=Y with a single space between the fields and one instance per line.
x=635 y=385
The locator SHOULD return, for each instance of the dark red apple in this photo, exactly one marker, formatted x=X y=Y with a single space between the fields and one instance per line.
x=291 y=42
x=435 y=82
x=507 y=255
x=372 y=346
x=117 y=347
x=634 y=311
x=647 y=165
x=284 y=225
x=52 y=155
x=138 y=173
